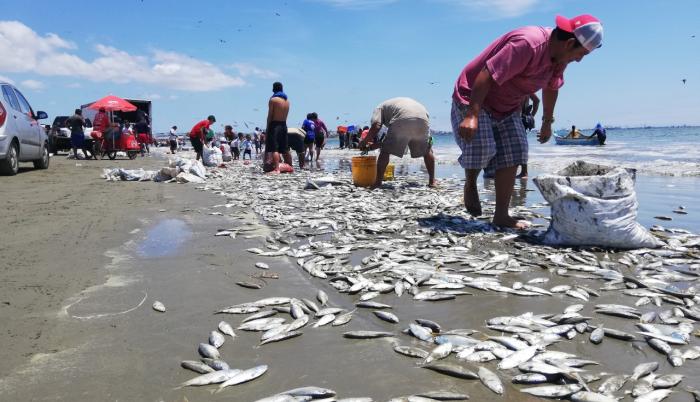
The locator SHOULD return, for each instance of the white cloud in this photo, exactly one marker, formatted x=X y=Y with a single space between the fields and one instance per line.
x=23 y=50
x=6 y=79
x=151 y=96
x=74 y=85
x=32 y=84
x=247 y=69
x=498 y=8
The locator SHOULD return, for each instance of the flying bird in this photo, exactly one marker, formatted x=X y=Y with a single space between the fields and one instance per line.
x=278 y=14
x=433 y=82
x=692 y=36
x=222 y=41
x=683 y=80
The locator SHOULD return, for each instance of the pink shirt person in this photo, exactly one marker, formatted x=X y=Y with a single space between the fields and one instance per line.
x=520 y=65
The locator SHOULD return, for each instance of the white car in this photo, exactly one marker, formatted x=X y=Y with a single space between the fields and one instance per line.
x=22 y=138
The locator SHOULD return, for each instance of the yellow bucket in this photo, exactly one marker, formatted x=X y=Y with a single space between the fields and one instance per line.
x=364 y=170
x=389 y=172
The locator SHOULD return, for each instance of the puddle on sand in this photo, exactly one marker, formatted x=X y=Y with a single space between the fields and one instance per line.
x=164 y=238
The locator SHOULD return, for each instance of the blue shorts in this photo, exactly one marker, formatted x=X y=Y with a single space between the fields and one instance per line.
x=77 y=140
x=497 y=144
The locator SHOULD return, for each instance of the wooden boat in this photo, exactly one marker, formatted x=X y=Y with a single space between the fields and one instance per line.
x=576 y=141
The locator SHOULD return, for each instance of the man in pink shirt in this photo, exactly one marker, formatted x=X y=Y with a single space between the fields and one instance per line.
x=488 y=95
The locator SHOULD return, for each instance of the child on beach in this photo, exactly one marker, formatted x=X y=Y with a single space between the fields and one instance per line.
x=247 y=147
x=235 y=148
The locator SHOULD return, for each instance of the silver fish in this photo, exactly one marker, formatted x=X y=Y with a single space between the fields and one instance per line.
x=196 y=366
x=438 y=353
x=552 y=391
x=367 y=334
x=654 y=396
x=667 y=381
x=206 y=350
x=226 y=329
x=281 y=337
x=215 y=377
x=451 y=369
x=411 y=351
x=643 y=369
x=490 y=380
x=216 y=339
x=386 y=316
x=244 y=376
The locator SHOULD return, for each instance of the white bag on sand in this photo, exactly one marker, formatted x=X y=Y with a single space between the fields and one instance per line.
x=211 y=156
x=185 y=177
x=196 y=168
x=169 y=172
x=593 y=205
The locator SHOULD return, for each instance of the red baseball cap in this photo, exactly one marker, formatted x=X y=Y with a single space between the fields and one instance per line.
x=586 y=28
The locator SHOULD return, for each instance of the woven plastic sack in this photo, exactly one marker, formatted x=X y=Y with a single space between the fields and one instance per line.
x=593 y=205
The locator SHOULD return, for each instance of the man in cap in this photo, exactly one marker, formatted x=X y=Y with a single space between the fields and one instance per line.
x=489 y=92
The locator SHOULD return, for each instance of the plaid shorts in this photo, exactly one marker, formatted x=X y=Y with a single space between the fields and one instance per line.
x=497 y=144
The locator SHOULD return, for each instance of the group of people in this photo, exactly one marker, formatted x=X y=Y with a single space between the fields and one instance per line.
x=599 y=133
x=490 y=110
x=236 y=145
x=493 y=107
x=109 y=130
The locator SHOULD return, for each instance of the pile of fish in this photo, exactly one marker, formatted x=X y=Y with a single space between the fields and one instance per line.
x=413 y=242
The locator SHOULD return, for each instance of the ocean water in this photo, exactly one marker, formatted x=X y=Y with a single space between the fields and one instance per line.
x=659 y=151
x=667 y=160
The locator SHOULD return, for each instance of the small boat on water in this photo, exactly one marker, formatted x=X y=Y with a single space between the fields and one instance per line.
x=576 y=141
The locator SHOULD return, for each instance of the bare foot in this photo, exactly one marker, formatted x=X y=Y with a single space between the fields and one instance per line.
x=509 y=222
x=521 y=176
x=273 y=172
x=432 y=184
x=472 y=202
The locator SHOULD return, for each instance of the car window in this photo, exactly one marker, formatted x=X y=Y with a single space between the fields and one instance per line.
x=23 y=103
x=10 y=97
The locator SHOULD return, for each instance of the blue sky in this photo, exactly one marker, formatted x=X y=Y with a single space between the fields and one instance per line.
x=339 y=58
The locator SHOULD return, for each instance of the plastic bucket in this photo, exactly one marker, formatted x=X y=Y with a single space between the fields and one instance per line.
x=364 y=170
x=389 y=172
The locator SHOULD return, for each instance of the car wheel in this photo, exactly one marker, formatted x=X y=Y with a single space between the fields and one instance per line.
x=43 y=163
x=132 y=154
x=10 y=166
x=112 y=155
x=53 y=147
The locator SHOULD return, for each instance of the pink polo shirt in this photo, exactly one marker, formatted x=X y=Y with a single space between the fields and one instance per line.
x=520 y=65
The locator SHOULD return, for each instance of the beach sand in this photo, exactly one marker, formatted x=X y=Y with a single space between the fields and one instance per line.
x=85 y=264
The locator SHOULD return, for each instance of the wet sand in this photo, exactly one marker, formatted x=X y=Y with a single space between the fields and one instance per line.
x=100 y=339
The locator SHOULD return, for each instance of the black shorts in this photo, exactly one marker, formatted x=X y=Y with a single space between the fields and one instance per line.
x=276 y=138
x=173 y=145
x=319 y=140
x=197 y=145
x=296 y=142
x=308 y=140
x=247 y=152
x=235 y=151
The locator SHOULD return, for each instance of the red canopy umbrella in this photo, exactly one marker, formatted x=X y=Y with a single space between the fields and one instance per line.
x=113 y=103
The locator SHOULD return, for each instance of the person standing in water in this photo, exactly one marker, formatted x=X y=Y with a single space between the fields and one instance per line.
x=321 y=134
x=276 y=144
x=528 y=115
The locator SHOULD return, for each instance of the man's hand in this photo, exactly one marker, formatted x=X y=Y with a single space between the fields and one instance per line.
x=469 y=126
x=545 y=132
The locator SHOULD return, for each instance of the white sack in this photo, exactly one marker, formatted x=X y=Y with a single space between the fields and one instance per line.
x=211 y=156
x=593 y=205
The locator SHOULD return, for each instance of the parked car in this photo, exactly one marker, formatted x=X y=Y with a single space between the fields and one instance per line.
x=59 y=135
x=22 y=138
